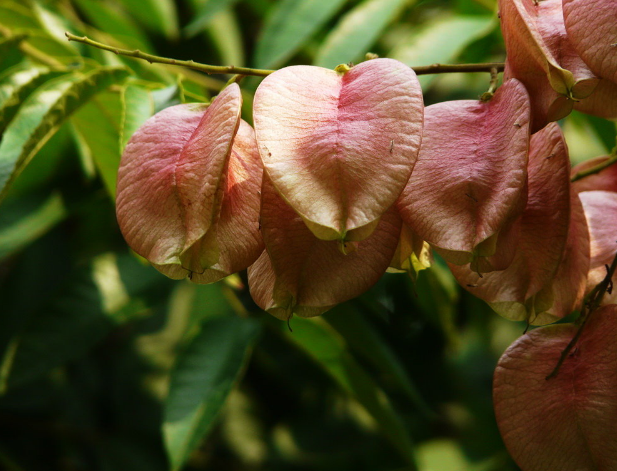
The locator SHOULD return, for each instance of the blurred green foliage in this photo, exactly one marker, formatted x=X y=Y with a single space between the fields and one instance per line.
x=107 y=365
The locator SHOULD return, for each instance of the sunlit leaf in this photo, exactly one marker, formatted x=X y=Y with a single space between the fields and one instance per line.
x=42 y=114
x=434 y=44
x=288 y=27
x=54 y=49
x=17 y=16
x=585 y=139
x=15 y=86
x=138 y=106
x=156 y=15
x=98 y=135
x=115 y=22
x=438 y=455
x=203 y=376
x=226 y=34
x=39 y=173
x=356 y=32
x=206 y=10
x=23 y=20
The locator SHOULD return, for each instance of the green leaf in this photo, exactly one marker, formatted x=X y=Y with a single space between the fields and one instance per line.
x=23 y=20
x=206 y=11
x=15 y=86
x=103 y=126
x=97 y=130
x=156 y=15
x=437 y=295
x=193 y=92
x=291 y=23
x=165 y=97
x=475 y=7
x=137 y=107
x=201 y=381
x=366 y=342
x=61 y=51
x=227 y=37
x=606 y=130
x=356 y=32
x=51 y=21
x=39 y=173
x=10 y=44
x=322 y=343
x=16 y=16
x=25 y=220
x=434 y=44
x=584 y=140
x=43 y=113
x=114 y=21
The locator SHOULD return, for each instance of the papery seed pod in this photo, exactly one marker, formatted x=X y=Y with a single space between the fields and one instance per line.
x=339 y=147
x=540 y=55
x=544 y=227
x=602 y=102
x=604 y=180
x=469 y=183
x=601 y=213
x=592 y=30
x=303 y=275
x=565 y=423
x=188 y=190
x=565 y=292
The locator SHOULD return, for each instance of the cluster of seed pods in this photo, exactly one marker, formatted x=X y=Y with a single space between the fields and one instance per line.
x=347 y=175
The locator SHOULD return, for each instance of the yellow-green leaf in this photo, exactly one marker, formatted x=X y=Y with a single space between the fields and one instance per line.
x=43 y=113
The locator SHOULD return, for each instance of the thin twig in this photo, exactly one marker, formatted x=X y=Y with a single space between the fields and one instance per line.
x=231 y=69
x=594 y=299
x=208 y=69
x=596 y=169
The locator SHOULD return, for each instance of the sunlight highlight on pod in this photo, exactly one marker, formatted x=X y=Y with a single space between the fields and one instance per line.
x=340 y=146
